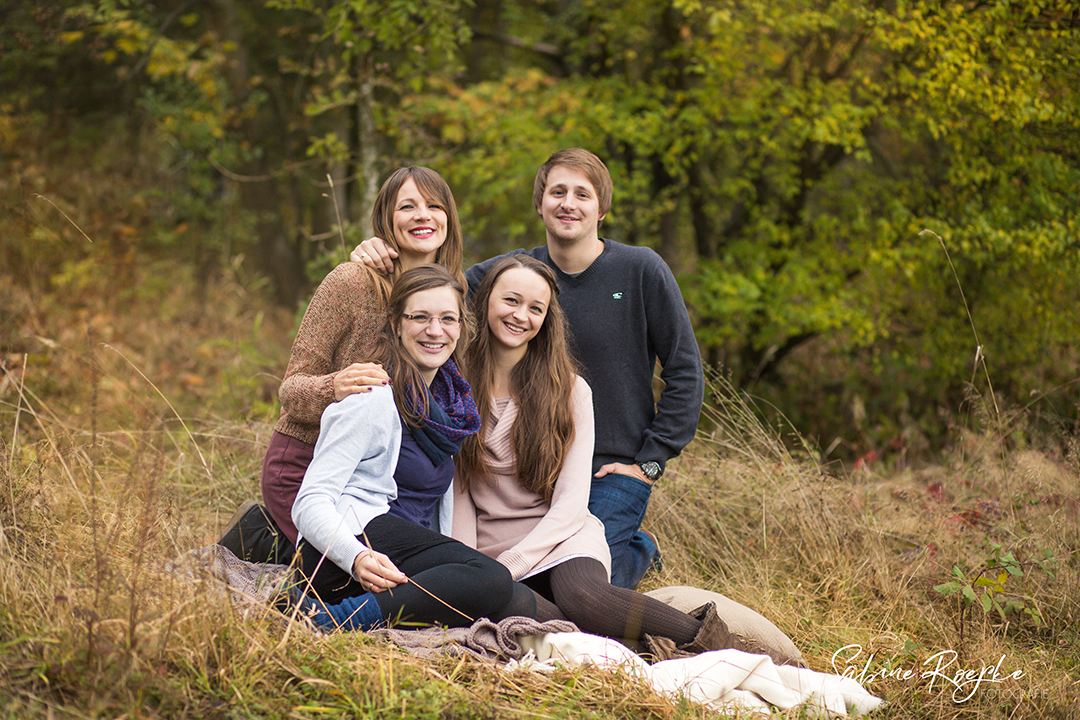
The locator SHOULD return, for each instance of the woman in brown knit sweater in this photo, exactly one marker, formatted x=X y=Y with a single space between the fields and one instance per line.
x=415 y=213
x=521 y=487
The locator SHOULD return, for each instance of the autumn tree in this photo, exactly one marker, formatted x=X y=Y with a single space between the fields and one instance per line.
x=786 y=155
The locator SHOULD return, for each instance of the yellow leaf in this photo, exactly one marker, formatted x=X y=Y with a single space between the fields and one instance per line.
x=192 y=380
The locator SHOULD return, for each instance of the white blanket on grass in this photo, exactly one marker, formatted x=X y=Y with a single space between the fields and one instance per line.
x=724 y=680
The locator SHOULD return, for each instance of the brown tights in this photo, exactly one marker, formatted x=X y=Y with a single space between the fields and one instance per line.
x=579 y=587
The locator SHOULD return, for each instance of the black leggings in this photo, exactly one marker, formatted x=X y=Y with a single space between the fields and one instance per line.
x=470 y=583
x=580 y=588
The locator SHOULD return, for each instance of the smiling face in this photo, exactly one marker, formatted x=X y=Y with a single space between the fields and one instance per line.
x=517 y=308
x=419 y=225
x=570 y=207
x=430 y=335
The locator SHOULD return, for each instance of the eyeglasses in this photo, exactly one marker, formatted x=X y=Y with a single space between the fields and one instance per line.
x=447 y=321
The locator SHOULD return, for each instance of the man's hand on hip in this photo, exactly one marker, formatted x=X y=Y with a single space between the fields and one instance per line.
x=621 y=469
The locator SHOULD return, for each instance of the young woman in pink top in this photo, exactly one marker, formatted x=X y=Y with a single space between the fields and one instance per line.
x=521 y=485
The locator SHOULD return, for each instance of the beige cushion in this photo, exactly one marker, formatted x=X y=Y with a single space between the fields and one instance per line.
x=758 y=634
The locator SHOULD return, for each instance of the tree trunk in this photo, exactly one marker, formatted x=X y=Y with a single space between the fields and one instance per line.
x=367 y=144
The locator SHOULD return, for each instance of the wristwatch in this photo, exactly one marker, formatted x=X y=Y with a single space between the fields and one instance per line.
x=651 y=469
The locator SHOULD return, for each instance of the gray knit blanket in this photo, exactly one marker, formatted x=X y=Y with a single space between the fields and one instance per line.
x=252 y=587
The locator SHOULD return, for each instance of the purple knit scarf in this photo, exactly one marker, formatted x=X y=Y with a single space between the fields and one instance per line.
x=451 y=417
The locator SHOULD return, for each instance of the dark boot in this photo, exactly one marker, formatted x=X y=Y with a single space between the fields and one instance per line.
x=253 y=536
x=713 y=635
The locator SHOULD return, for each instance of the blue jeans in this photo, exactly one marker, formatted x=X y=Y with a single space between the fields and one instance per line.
x=620 y=501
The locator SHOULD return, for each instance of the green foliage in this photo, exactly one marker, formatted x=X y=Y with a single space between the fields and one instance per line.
x=998 y=586
x=787 y=154
x=38 y=46
x=182 y=94
x=383 y=47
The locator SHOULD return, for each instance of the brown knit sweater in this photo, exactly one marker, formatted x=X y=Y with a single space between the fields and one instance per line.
x=338 y=329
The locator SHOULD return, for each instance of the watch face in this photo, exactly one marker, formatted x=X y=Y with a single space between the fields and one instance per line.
x=651 y=469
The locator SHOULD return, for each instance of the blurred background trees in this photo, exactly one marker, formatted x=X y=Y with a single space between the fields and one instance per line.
x=784 y=156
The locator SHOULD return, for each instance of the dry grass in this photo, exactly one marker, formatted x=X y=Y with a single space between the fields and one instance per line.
x=854 y=559
x=92 y=626
x=106 y=474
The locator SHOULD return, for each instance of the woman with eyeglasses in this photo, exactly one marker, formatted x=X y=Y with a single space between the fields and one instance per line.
x=416 y=214
x=381 y=468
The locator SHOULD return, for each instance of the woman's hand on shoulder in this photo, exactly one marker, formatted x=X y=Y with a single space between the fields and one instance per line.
x=375 y=572
x=359 y=378
x=376 y=254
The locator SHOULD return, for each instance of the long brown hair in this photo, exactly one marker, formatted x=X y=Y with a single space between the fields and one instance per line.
x=431 y=185
x=541 y=383
x=410 y=390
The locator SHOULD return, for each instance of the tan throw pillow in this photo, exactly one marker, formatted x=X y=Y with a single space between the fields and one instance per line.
x=754 y=629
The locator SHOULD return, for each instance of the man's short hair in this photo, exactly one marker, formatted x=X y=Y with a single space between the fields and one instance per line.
x=584 y=162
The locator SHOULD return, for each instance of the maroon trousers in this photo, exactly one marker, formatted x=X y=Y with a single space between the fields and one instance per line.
x=286 y=461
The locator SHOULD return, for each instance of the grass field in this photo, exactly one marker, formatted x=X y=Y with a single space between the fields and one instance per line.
x=133 y=423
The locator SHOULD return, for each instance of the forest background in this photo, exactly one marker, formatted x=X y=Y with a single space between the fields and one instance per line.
x=871 y=208
x=784 y=157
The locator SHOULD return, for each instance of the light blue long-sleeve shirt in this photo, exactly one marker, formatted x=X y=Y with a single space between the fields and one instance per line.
x=350 y=480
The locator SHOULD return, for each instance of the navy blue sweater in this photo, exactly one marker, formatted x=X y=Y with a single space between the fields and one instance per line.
x=626 y=311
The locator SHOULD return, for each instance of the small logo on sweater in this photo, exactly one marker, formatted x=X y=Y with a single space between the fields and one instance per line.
x=617 y=296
